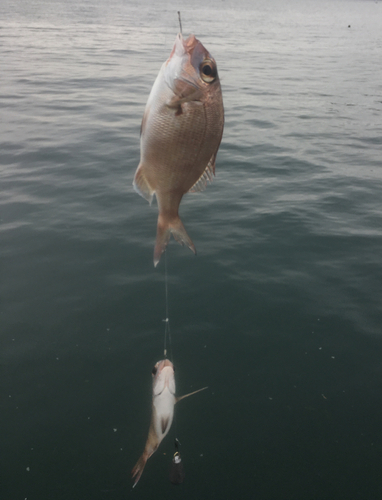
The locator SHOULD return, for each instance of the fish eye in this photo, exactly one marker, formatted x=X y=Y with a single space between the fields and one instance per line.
x=154 y=370
x=208 y=71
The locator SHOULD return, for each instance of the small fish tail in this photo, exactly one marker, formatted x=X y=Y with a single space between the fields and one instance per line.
x=165 y=228
x=138 y=468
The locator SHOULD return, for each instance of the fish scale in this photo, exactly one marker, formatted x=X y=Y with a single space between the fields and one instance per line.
x=181 y=132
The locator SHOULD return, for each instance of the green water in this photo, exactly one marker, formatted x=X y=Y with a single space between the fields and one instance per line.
x=280 y=312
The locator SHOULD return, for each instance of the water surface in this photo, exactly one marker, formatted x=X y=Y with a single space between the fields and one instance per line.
x=279 y=314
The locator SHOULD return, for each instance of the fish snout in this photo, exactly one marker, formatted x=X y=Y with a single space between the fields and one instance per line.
x=160 y=365
x=164 y=379
x=163 y=364
x=167 y=362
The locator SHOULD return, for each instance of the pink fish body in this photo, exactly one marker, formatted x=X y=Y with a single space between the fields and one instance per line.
x=180 y=135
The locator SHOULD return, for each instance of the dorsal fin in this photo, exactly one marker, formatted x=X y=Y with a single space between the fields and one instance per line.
x=207 y=176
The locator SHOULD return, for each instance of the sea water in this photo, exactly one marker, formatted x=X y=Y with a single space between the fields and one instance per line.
x=280 y=312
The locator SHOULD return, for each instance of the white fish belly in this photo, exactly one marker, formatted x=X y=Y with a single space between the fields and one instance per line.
x=164 y=410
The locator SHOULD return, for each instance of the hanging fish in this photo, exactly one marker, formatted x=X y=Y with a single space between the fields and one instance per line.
x=181 y=131
x=163 y=403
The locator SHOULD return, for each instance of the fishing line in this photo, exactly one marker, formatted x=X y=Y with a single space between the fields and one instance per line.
x=176 y=470
x=167 y=331
x=180 y=22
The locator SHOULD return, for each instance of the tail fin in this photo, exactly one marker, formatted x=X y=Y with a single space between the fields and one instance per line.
x=138 y=468
x=165 y=228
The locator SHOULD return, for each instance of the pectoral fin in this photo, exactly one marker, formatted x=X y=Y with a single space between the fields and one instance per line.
x=141 y=185
x=178 y=100
x=189 y=394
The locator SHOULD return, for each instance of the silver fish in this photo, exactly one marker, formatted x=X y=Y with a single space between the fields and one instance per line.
x=181 y=132
x=163 y=403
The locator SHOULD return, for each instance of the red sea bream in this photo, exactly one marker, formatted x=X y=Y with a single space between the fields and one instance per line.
x=181 y=132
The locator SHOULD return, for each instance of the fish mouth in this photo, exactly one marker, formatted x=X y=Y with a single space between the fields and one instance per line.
x=178 y=48
x=184 y=63
x=164 y=378
x=164 y=363
x=183 y=46
x=190 y=43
